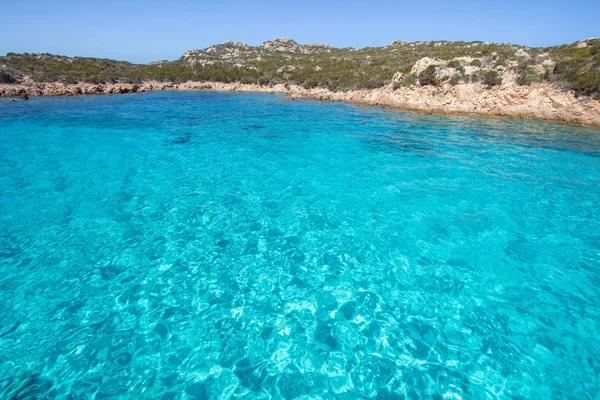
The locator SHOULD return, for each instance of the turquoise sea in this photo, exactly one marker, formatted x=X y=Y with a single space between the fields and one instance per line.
x=191 y=245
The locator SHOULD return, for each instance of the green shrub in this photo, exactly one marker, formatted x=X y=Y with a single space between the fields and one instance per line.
x=406 y=69
x=457 y=78
x=309 y=84
x=491 y=78
x=454 y=64
x=578 y=68
x=525 y=76
x=427 y=76
x=476 y=63
x=487 y=77
x=587 y=84
x=69 y=80
x=5 y=77
x=500 y=59
x=409 y=80
x=547 y=75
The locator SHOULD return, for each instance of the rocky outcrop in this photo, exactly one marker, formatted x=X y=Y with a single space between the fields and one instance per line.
x=239 y=45
x=541 y=101
x=159 y=62
x=61 y=89
x=242 y=55
x=425 y=62
x=280 y=45
x=522 y=54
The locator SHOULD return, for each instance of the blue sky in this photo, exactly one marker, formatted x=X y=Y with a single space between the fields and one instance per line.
x=142 y=31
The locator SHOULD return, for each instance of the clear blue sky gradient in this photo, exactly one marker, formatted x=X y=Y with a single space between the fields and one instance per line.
x=143 y=31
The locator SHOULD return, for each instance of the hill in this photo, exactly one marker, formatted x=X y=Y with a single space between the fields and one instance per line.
x=573 y=67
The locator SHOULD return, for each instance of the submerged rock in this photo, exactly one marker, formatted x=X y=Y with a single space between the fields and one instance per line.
x=253 y=127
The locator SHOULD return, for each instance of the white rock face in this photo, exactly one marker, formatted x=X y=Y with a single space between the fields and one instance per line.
x=239 y=45
x=522 y=54
x=425 y=62
x=444 y=74
x=548 y=63
x=471 y=69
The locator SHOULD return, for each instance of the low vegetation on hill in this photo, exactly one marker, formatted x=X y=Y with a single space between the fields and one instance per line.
x=574 y=67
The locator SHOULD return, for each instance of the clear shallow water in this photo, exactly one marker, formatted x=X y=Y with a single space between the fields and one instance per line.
x=205 y=245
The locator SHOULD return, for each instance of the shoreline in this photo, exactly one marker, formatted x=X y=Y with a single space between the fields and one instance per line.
x=540 y=101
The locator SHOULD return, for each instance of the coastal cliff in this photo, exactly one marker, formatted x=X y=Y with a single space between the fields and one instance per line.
x=560 y=83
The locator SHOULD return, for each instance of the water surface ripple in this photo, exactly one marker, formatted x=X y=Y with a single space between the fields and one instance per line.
x=229 y=246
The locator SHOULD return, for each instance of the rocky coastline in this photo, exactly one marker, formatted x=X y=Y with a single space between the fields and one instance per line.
x=541 y=101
